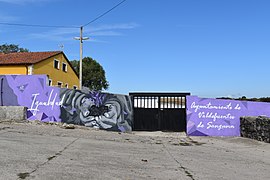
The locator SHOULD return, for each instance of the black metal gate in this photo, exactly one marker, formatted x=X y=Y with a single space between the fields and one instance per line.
x=159 y=111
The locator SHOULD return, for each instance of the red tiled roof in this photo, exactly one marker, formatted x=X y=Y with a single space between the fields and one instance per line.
x=26 y=57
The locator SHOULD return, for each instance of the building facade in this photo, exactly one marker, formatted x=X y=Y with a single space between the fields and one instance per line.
x=53 y=63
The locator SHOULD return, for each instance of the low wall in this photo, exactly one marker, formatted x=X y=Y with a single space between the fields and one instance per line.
x=218 y=117
x=255 y=128
x=107 y=111
x=17 y=113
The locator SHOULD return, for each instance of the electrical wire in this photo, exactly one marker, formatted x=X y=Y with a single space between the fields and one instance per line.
x=37 y=25
x=100 y=16
x=52 y=26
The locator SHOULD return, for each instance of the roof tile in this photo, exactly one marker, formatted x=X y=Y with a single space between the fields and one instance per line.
x=26 y=57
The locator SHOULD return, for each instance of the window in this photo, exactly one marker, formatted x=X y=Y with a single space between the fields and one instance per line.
x=64 y=67
x=30 y=70
x=75 y=87
x=56 y=64
x=66 y=86
x=59 y=84
x=50 y=82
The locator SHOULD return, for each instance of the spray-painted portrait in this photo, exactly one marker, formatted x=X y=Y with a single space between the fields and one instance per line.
x=97 y=110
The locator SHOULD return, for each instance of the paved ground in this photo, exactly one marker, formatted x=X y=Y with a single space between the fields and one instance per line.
x=39 y=151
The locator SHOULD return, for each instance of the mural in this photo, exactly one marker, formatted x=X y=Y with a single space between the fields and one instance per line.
x=52 y=104
x=216 y=117
x=42 y=101
x=97 y=110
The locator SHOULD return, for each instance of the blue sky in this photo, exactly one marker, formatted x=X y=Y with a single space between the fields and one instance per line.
x=211 y=48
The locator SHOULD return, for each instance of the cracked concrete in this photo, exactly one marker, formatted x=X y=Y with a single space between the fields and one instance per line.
x=46 y=151
x=186 y=171
x=24 y=175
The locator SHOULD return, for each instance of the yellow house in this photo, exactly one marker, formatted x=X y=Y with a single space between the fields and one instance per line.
x=52 y=63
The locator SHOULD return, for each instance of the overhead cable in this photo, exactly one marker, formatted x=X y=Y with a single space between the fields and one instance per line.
x=55 y=26
x=37 y=25
x=100 y=16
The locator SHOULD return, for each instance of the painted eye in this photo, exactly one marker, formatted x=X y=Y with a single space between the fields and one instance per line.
x=110 y=107
x=83 y=100
x=86 y=113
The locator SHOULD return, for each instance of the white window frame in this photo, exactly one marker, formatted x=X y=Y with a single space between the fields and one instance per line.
x=65 y=70
x=58 y=64
x=58 y=82
x=30 y=69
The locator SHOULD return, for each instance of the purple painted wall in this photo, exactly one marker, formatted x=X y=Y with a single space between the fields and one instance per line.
x=52 y=104
x=216 y=117
x=32 y=92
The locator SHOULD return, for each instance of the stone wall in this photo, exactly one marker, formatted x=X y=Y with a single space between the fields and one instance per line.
x=255 y=128
x=16 y=113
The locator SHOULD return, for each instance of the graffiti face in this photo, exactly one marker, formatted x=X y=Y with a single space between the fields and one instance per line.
x=94 y=116
x=97 y=110
x=104 y=116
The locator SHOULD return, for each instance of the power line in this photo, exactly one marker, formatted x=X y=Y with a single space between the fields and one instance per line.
x=100 y=16
x=37 y=25
x=54 y=26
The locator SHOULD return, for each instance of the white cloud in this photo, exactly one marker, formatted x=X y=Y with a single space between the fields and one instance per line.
x=60 y=34
x=105 y=33
x=7 y=18
x=67 y=34
x=113 y=27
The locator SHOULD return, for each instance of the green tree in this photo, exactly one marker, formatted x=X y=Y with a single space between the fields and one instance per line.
x=76 y=65
x=93 y=74
x=11 y=48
